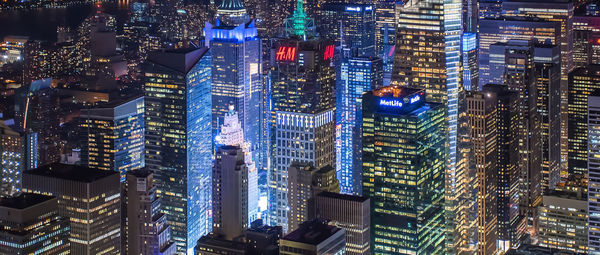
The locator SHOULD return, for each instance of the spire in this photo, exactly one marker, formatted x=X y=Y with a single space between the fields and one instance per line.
x=299 y=24
x=231 y=5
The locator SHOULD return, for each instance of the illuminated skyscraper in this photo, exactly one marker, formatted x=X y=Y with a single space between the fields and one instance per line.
x=546 y=76
x=113 y=136
x=357 y=76
x=483 y=121
x=232 y=134
x=560 y=12
x=179 y=139
x=353 y=24
x=89 y=198
x=30 y=224
x=583 y=82
x=586 y=40
x=428 y=56
x=564 y=221
x=385 y=34
x=502 y=30
x=469 y=62
x=305 y=182
x=303 y=103
x=510 y=223
x=403 y=170
x=236 y=54
x=515 y=61
x=594 y=172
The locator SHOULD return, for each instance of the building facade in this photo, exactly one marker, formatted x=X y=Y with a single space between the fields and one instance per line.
x=147 y=228
x=31 y=225
x=179 y=139
x=89 y=198
x=403 y=149
x=353 y=214
x=113 y=136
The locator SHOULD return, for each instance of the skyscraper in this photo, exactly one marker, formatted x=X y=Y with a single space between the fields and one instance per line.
x=593 y=163
x=482 y=111
x=353 y=214
x=403 y=150
x=358 y=75
x=232 y=134
x=582 y=83
x=563 y=221
x=18 y=152
x=351 y=24
x=546 y=79
x=236 y=52
x=501 y=30
x=305 y=182
x=516 y=65
x=303 y=102
x=179 y=139
x=469 y=62
x=113 y=136
x=510 y=222
x=230 y=193
x=89 y=198
x=147 y=228
x=385 y=35
x=30 y=224
x=427 y=56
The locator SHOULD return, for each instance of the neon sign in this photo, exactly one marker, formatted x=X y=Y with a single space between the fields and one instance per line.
x=285 y=53
x=392 y=103
x=353 y=9
x=415 y=99
x=328 y=52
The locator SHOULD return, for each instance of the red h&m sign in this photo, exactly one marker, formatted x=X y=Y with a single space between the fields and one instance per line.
x=328 y=52
x=285 y=53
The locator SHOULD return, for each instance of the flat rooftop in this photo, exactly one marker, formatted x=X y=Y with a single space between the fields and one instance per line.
x=70 y=172
x=343 y=196
x=312 y=232
x=396 y=91
x=23 y=200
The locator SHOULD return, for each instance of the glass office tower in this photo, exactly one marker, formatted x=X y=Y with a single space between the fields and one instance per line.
x=358 y=75
x=236 y=52
x=113 y=136
x=352 y=24
x=179 y=139
x=403 y=170
x=428 y=56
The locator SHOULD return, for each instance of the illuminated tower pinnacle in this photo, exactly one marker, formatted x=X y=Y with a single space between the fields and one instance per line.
x=299 y=24
x=232 y=13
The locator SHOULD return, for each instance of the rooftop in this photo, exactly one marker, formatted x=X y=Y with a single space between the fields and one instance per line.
x=395 y=91
x=23 y=200
x=312 y=232
x=70 y=172
x=343 y=196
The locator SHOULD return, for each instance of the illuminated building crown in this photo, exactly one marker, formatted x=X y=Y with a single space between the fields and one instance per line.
x=299 y=24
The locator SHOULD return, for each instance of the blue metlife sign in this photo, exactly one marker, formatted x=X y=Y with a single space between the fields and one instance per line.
x=400 y=104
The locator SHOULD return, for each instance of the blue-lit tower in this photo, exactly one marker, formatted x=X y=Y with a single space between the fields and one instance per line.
x=179 y=139
x=357 y=76
x=236 y=54
x=469 y=62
